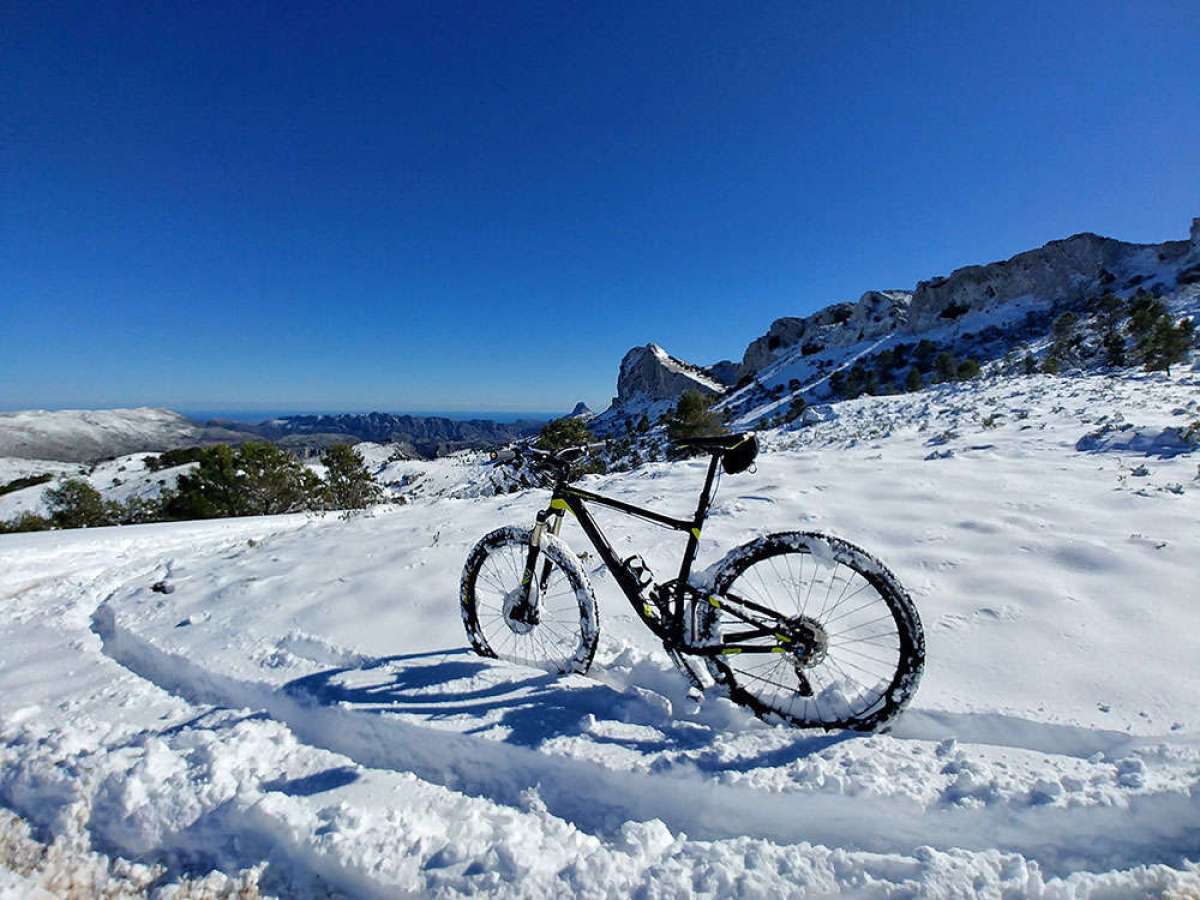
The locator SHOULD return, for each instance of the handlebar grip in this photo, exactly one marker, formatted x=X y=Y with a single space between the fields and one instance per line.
x=597 y=445
x=504 y=456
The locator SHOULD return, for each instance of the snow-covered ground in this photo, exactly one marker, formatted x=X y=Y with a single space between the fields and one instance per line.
x=301 y=711
x=81 y=434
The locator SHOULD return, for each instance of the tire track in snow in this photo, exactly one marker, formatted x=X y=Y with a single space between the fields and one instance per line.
x=1160 y=827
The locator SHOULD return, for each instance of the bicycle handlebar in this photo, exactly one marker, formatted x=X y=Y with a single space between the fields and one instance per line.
x=560 y=458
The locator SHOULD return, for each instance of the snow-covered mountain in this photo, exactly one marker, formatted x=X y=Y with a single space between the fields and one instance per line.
x=984 y=310
x=429 y=436
x=288 y=702
x=94 y=435
x=79 y=435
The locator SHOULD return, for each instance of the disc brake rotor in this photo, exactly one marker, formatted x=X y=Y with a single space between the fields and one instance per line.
x=520 y=618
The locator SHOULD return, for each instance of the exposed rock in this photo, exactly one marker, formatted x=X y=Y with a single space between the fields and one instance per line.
x=581 y=411
x=649 y=373
x=726 y=372
x=875 y=314
x=1062 y=270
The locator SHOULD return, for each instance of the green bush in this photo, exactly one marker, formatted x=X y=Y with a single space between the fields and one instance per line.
x=28 y=481
x=1114 y=348
x=693 y=416
x=913 y=381
x=348 y=484
x=1169 y=344
x=256 y=479
x=76 y=504
x=562 y=433
x=26 y=521
x=1159 y=342
x=924 y=354
x=967 y=369
x=1029 y=364
x=945 y=367
x=170 y=458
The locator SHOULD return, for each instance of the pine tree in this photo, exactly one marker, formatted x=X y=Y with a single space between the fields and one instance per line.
x=945 y=367
x=348 y=483
x=1114 y=349
x=1029 y=364
x=256 y=479
x=693 y=416
x=562 y=433
x=1169 y=344
x=76 y=504
x=967 y=369
x=912 y=381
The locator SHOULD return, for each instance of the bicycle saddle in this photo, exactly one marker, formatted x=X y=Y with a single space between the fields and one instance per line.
x=737 y=451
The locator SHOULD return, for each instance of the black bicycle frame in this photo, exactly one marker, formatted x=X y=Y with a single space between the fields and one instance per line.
x=567 y=498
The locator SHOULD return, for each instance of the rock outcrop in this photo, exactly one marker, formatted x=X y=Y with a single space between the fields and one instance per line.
x=581 y=411
x=875 y=314
x=1062 y=270
x=650 y=374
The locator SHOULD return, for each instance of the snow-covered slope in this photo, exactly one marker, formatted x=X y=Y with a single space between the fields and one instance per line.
x=300 y=707
x=77 y=435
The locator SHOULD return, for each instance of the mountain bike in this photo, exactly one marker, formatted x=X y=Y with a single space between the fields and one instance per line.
x=798 y=626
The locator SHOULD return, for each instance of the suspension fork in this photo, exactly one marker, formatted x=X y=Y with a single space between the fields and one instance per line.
x=552 y=519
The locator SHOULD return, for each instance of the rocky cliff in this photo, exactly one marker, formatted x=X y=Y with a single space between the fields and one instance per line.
x=650 y=373
x=875 y=314
x=990 y=297
x=1061 y=270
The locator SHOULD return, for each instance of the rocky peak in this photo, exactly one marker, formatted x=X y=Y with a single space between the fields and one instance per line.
x=650 y=373
x=875 y=314
x=581 y=411
x=1062 y=270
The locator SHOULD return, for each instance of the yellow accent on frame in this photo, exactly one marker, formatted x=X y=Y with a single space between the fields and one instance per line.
x=560 y=505
x=696 y=532
x=731 y=651
x=714 y=602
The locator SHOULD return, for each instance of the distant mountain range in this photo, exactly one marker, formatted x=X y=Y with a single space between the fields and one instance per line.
x=427 y=436
x=986 y=312
x=89 y=435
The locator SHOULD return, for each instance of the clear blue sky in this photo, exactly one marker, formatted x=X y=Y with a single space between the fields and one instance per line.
x=482 y=206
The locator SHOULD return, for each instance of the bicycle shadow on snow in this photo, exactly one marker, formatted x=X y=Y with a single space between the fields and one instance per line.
x=454 y=690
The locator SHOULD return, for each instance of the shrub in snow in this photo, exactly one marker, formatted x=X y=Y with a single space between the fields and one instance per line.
x=693 y=416
x=967 y=369
x=348 y=483
x=256 y=479
x=26 y=521
x=76 y=504
x=945 y=367
x=18 y=484
x=1159 y=342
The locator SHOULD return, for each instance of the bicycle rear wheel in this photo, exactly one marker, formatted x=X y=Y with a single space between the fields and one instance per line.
x=564 y=636
x=849 y=649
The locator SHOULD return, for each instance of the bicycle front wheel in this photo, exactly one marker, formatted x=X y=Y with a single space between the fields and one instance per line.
x=845 y=648
x=563 y=634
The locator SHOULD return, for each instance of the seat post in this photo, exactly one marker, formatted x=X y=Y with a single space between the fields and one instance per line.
x=706 y=494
